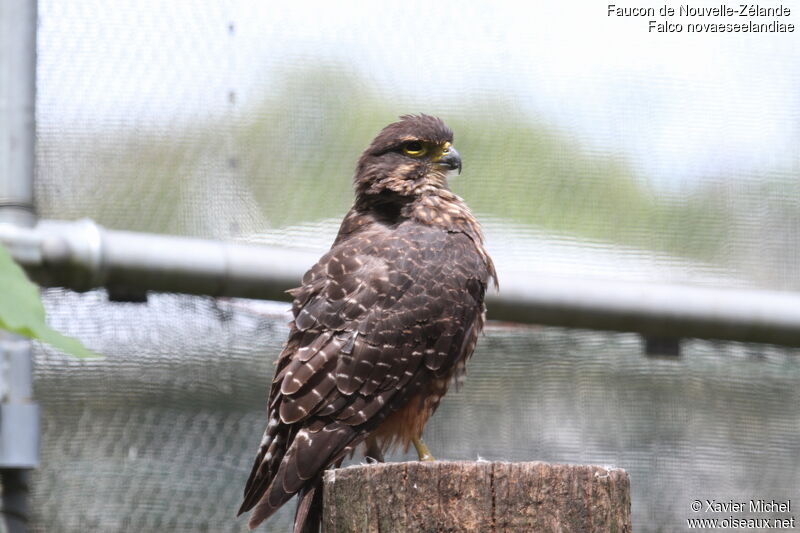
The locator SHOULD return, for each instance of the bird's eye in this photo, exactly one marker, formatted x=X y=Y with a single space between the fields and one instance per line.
x=414 y=149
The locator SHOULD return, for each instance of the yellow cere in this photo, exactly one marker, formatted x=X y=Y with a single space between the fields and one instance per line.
x=441 y=151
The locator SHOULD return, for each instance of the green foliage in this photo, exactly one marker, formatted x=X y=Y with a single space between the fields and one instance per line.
x=22 y=312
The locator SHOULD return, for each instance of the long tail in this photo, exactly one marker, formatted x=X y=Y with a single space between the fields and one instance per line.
x=308 y=517
x=311 y=451
x=271 y=452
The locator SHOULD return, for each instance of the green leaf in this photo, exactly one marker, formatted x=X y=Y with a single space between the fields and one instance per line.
x=22 y=312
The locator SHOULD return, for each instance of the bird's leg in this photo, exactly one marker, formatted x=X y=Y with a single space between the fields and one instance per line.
x=422 y=450
x=373 y=450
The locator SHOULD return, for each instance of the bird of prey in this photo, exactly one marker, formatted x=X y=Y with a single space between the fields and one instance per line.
x=383 y=322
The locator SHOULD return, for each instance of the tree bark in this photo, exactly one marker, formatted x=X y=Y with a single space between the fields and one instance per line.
x=491 y=497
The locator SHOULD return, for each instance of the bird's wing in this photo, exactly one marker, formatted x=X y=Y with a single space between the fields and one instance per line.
x=375 y=319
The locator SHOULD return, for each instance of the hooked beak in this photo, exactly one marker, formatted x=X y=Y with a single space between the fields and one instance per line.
x=451 y=160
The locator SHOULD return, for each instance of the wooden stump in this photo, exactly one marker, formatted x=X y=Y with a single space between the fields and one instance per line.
x=476 y=497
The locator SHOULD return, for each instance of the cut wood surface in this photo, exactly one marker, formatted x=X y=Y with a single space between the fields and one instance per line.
x=451 y=496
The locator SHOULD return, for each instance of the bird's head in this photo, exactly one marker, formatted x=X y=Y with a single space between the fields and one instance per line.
x=409 y=157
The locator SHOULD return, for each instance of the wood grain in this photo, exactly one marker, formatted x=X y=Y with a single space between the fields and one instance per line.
x=476 y=497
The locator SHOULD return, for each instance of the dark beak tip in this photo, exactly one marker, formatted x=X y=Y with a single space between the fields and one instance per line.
x=452 y=160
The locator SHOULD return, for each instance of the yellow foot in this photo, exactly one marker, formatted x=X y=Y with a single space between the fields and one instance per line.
x=422 y=450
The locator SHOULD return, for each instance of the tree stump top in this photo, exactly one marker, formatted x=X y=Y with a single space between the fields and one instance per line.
x=455 y=496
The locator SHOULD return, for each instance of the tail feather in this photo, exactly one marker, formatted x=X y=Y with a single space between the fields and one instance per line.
x=300 y=470
x=270 y=455
x=308 y=517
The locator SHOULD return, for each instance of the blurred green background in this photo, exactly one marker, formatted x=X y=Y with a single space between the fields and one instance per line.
x=289 y=157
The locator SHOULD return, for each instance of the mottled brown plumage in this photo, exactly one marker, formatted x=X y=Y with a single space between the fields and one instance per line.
x=382 y=323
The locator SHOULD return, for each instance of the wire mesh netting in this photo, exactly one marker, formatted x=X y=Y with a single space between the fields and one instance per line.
x=234 y=119
x=591 y=149
x=160 y=435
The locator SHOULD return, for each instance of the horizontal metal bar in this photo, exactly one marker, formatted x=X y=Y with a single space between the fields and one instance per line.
x=657 y=310
x=82 y=255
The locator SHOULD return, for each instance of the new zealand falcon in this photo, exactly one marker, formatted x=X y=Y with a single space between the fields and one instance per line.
x=382 y=323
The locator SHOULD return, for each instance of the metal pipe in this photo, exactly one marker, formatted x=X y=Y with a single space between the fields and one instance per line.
x=82 y=255
x=19 y=430
x=654 y=310
x=19 y=415
x=17 y=115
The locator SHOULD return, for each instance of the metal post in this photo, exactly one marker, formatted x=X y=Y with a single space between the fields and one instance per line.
x=19 y=416
x=17 y=101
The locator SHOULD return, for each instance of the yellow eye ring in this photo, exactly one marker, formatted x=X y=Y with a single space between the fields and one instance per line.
x=414 y=149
